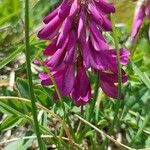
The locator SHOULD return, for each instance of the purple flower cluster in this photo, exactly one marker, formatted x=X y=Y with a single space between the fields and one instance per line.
x=75 y=31
x=142 y=11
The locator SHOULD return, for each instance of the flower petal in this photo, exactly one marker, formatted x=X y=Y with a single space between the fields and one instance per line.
x=81 y=92
x=71 y=51
x=81 y=23
x=105 y=7
x=50 y=29
x=138 y=20
x=45 y=80
x=68 y=23
x=51 y=48
x=50 y=16
x=57 y=59
x=109 y=88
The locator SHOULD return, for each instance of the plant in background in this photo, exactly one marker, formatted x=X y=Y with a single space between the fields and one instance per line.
x=142 y=11
x=75 y=31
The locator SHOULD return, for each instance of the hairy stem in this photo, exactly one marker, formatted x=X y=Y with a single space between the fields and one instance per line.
x=91 y=112
x=118 y=102
x=29 y=75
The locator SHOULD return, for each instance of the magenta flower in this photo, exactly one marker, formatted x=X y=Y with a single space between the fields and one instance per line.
x=75 y=29
x=81 y=92
x=142 y=10
x=64 y=79
x=147 y=10
x=78 y=87
x=108 y=83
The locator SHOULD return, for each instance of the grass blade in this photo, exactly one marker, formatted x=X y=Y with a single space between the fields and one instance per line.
x=141 y=75
x=10 y=57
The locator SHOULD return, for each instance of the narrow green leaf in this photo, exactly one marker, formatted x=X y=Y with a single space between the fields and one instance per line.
x=6 y=19
x=10 y=122
x=6 y=108
x=10 y=57
x=43 y=98
x=142 y=76
x=10 y=109
x=22 y=86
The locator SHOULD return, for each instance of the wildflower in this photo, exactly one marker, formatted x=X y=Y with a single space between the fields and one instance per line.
x=64 y=78
x=81 y=92
x=142 y=10
x=75 y=29
x=78 y=87
x=108 y=83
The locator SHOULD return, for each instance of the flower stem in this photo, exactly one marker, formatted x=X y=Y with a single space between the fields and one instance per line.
x=60 y=98
x=29 y=75
x=94 y=97
x=56 y=87
x=118 y=102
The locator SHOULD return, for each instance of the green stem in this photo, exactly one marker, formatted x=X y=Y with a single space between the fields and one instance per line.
x=91 y=112
x=79 y=125
x=60 y=98
x=98 y=106
x=29 y=75
x=56 y=87
x=118 y=102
